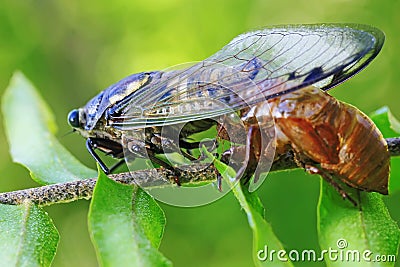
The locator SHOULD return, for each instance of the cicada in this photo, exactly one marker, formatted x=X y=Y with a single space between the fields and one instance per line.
x=276 y=74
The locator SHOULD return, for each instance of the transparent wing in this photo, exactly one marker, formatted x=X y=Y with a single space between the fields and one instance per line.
x=253 y=67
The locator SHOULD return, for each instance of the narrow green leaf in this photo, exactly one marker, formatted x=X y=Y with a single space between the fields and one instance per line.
x=27 y=236
x=30 y=130
x=265 y=243
x=363 y=232
x=389 y=127
x=126 y=225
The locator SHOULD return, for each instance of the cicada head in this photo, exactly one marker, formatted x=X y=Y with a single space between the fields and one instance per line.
x=77 y=119
x=74 y=118
x=84 y=119
x=92 y=117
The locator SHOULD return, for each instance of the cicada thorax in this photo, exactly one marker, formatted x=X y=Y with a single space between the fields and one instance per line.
x=334 y=136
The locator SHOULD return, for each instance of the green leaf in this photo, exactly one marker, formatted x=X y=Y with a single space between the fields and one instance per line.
x=389 y=127
x=27 y=236
x=264 y=239
x=149 y=216
x=30 y=130
x=347 y=229
x=386 y=122
x=126 y=225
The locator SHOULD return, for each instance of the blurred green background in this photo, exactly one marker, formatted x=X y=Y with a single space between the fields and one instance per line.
x=73 y=49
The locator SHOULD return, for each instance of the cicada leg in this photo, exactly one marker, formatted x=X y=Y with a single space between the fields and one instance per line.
x=248 y=155
x=149 y=150
x=247 y=167
x=165 y=165
x=328 y=177
x=210 y=145
x=90 y=145
x=312 y=168
x=113 y=149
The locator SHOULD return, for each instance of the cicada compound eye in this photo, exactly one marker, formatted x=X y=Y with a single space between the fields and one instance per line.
x=73 y=118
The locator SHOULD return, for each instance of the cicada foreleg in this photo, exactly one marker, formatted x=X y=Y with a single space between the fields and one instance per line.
x=115 y=151
x=91 y=146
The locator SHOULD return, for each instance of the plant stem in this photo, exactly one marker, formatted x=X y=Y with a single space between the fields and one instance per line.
x=192 y=174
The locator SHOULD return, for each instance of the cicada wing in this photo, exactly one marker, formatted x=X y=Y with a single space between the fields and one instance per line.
x=204 y=90
x=253 y=67
x=302 y=55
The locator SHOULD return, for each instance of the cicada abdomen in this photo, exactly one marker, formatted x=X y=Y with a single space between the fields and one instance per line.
x=328 y=137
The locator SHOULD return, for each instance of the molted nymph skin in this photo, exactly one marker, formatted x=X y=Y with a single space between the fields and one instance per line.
x=339 y=137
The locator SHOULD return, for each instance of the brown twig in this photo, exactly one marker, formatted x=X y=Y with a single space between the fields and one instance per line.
x=83 y=189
